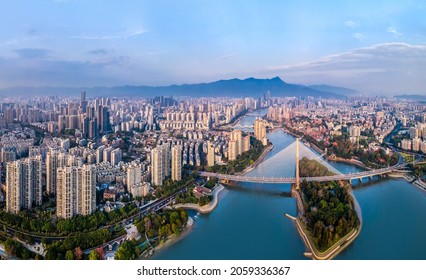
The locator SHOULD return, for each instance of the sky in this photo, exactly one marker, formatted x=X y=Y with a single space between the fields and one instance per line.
x=376 y=47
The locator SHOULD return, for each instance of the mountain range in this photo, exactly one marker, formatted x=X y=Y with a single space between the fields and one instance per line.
x=223 y=88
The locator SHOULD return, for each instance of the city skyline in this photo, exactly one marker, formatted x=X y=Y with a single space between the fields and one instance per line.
x=375 y=48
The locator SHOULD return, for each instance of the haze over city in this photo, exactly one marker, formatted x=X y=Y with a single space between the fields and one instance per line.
x=241 y=134
x=376 y=50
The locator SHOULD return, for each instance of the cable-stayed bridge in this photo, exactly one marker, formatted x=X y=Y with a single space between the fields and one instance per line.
x=279 y=169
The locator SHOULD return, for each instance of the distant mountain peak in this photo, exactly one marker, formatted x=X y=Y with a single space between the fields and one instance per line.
x=249 y=87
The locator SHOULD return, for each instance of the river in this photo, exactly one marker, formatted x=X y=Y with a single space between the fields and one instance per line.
x=249 y=221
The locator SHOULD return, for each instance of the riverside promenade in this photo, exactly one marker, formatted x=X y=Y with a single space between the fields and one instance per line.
x=205 y=208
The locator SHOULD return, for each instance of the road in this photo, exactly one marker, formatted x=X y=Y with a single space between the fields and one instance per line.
x=143 y=210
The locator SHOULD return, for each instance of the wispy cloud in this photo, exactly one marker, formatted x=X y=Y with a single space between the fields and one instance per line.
x=98 y=52
x=29 y=53
x=358 y=35
x=112 y=36
x=17 y=41
x=383 y=68
x=394 y=32
x=351 y=24
x=227 y=56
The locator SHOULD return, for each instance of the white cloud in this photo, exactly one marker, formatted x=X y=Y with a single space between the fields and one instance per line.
x=394 y=32
x=121 y=35
x=351 y=24
x=383 y=68
x=358 y=36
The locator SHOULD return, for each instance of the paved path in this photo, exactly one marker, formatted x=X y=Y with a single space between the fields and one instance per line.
x=206 y=208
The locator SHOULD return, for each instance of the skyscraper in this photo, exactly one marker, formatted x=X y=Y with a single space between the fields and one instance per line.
x=246 y=145
x=134 y=177
x=76 y=191
x=260 y=131
x=210 y=154
x=54 y=160
x=166 y=159
x=116 y=155
x=177 y=163
x=232 y=150
x=83 y=102
x=24 y=184
x=156 y=167
x=237 y=136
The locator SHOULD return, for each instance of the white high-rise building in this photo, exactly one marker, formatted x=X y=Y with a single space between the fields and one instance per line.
x=416 y=144
x=76 y=191
x=157 y=166
x=177 y=163
x=237 y=136
x=116 y=156
x=24 y=184
x=260 y=131
x=134 y=175
x=54 y=160
x=246 y=144
x=210 y=154
x=406 y=144
x=232 y=150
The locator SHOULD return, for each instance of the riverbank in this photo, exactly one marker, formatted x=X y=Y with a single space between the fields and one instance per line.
x=190 y=224
x=348 y=161
x=339 y=246
x=205 y=209
x=258 y=161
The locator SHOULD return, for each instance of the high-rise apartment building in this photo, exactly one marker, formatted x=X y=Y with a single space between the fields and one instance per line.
x=76 y=191
x=166 y=159
x=157 y=166
x=116 y=156
x=54 y=160
x=24 y=184
x=210 y=154
x=134 y=177
x=260 y=131
x=177 y=163
x=232 y=150
x=246 y=144
x=237 y=136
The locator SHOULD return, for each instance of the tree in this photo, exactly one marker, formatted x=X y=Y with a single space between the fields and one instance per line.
x=69 y=255
x=78 y=253
x=126 y=251
x=100 y=253
x=93 y=256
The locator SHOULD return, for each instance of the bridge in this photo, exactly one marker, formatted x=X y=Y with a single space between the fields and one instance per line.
x=277 y=164
x=255 y=115
x=239 y=126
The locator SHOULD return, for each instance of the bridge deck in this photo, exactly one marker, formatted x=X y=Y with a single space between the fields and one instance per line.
x=277 y=180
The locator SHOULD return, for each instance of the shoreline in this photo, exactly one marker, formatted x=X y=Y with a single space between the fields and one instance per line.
x=336 y=248
x=258 y=161
x=348 y=161
x=335 y=159
x=205 y=209
x=190 y=224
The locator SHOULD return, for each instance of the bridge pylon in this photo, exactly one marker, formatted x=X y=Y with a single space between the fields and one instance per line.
x=297 y=165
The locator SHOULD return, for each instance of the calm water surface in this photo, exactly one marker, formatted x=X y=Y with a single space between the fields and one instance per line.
x=249 y=221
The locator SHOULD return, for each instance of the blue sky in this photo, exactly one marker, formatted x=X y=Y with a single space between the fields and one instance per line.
x=373 y=46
